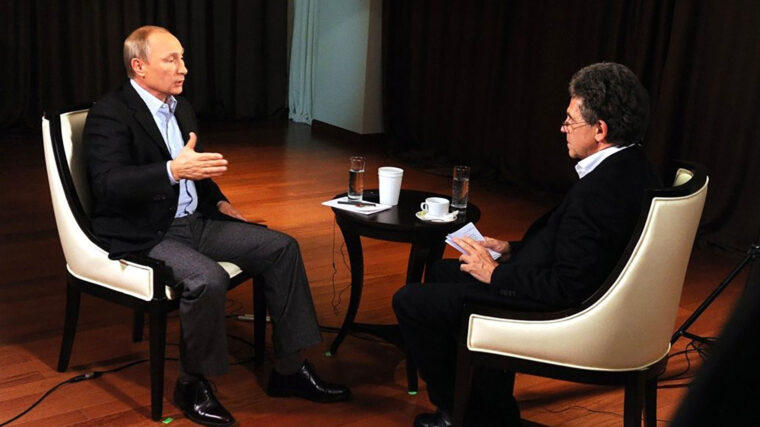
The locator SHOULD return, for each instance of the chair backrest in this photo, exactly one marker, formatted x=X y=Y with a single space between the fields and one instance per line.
x=628 y=322
x=86 y=257
x=683 y=176
x=642 y=304
x=67 y=167
x=70 y=126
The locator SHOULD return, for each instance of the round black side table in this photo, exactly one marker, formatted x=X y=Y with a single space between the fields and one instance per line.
x=397 y=224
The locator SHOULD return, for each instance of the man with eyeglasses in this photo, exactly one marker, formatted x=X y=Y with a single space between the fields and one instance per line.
x=562 y=259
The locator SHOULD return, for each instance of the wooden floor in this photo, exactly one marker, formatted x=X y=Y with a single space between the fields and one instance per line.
x=279 y=174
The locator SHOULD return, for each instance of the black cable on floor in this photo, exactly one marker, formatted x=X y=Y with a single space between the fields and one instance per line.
x=339 y=296
x=75 y=379
x=559 y=411
x=47 y=393
x=98 y=374
x=693 y=346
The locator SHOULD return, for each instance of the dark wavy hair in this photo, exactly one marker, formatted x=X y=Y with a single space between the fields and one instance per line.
x=611 y=92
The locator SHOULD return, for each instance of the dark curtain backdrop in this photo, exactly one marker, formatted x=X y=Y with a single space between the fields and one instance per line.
x=56 y=53
x=485 y=82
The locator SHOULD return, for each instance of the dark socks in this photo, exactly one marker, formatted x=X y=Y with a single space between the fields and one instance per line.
x=187 y=377
x=288 y=364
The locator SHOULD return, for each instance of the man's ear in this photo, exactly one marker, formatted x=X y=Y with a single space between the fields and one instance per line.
x=138 y=66
x=600 y=134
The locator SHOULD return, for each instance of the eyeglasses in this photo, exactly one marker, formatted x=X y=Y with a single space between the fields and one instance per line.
x=568 y=126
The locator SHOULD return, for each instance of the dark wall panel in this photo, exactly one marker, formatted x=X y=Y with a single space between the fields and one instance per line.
x=485 y=82
x=57 y=53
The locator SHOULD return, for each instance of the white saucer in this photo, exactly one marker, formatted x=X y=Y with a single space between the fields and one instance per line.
x=443 y=219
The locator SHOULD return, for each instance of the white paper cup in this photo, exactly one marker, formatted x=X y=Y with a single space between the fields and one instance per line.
x=435 y=206
x=390 y=184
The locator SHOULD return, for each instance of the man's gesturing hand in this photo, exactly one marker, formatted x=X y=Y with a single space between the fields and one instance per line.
x=190 y=164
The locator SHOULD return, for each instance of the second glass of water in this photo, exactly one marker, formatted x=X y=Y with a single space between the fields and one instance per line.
x=356 y=178
x=460 y=187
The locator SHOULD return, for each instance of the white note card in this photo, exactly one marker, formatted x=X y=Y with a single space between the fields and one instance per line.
x=472 y=232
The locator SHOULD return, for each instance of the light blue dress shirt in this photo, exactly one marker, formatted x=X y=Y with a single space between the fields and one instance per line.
x=163 y=114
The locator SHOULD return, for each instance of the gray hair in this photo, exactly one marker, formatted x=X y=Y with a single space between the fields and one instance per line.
x=136 y=46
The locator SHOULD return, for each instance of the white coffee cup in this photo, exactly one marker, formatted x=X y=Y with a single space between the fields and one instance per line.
x=435 y=206
x=390 y=184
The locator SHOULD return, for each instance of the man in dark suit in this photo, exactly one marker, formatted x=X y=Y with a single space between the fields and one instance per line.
x=153 y=193
x=564 y=256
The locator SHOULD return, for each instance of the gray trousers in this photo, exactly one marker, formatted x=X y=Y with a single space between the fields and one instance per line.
x=191 y=249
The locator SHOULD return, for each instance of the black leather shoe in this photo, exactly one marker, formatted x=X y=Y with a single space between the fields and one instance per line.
x=306 y=384
x=440 y=418
x=197 y=401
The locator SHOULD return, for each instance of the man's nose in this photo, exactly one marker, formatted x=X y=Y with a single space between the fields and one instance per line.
x=182 y=69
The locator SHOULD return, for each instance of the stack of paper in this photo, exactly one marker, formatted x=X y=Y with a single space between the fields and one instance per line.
x=358 y=206
x=470 y=231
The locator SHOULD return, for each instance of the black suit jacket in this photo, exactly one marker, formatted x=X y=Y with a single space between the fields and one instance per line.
x=133 y=200
x=568 y=253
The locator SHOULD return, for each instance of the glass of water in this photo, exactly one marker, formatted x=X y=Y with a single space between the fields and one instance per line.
x=356 y=178
x=460 y=187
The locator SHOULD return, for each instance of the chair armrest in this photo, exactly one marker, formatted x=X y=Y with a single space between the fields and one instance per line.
x=521 y=310
x=161 y=276
x=153 y=263
x=527 y=310
x=580 y=339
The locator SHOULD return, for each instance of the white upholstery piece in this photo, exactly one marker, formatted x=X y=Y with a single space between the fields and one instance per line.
x=84 y=259
x=231 y=269
x=682 y=177
x=630 y=326
x=72 y=130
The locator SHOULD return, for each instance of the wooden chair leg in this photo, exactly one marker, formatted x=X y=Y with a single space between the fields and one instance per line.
x=138 y=324
x=411 y=375
x=634 y=393
x=650 y=402
x=73 y=297
x=511 y=385
x=157 y=353
x=259 y=320
x=462 y=384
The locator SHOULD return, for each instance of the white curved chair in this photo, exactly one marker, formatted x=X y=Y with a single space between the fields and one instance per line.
x=134 y=281
x=619 y=335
